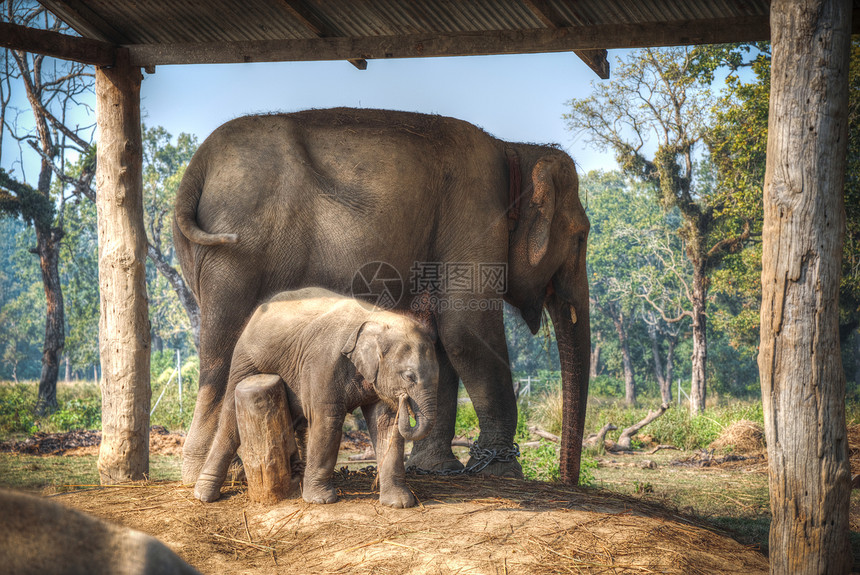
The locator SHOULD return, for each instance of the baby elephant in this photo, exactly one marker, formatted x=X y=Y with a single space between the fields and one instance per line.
x=335 y=354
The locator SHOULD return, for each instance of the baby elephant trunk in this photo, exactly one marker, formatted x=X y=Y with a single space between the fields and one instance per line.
x=425 y=416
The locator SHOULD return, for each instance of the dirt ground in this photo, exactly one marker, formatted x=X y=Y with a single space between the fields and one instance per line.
x=463 y=525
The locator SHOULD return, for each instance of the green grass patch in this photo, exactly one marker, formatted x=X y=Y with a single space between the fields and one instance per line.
x=57 y=473
x=676 y=427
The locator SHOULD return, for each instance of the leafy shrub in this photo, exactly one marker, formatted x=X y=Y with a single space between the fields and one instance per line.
x=79 y=407
x=542 y=463
x=16 y=409
x=78 y=414
x=606 y=386
x=676 y=427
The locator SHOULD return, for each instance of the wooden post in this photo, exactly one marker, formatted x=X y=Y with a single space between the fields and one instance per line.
x=124 y=322
x=803 y=385
x=266 y=440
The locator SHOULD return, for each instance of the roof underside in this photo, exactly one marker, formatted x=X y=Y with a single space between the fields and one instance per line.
x=160 y=32
x=172 y=22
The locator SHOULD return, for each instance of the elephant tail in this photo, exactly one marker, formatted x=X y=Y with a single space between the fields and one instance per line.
x=187 y=201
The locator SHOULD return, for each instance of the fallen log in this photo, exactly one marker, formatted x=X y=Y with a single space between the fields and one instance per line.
x=624 y=442
x=368 y=455
x=659 y=447
x=598 y=439
x=543 y=433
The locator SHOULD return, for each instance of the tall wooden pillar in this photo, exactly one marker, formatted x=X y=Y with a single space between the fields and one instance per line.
x=803 y=385
x=124 y=330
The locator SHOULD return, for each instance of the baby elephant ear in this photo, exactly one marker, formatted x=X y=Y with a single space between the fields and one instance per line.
x=362 y=349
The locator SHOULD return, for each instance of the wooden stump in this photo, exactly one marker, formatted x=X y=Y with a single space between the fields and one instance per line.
x=267 y=441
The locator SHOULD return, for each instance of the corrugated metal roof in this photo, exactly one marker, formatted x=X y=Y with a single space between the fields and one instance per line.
x=177 y=21
x=159 y=32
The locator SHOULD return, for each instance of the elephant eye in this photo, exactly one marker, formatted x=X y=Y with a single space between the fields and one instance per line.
x=408 y=376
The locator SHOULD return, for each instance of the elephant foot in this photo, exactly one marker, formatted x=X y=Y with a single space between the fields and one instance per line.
x=510 y=468
x=207 y=489
x=397 y=497
x=191 y=466
x=319 y=494
x=434 y=460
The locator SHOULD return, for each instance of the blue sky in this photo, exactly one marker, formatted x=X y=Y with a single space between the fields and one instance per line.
x=517 y=98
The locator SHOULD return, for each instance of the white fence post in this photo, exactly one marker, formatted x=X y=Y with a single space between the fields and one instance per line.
x=179 y=369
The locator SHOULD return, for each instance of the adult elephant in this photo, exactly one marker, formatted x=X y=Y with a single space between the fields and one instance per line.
x=276 y=202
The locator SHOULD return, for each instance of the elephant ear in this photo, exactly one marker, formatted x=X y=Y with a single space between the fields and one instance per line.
x=541 y=210
x=362 y=349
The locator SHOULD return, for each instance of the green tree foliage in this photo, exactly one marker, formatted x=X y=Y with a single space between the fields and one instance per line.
x=655 y=115
x=80 y=273
x=22 y=326
x=738 y=146
x=47 y=93
x=22 y=323
x=637 y=281
x=172 y=309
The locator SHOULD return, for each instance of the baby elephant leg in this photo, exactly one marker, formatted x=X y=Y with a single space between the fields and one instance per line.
x=393 y=490
x=324 y=434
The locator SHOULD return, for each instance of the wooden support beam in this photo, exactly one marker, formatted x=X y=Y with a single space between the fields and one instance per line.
x=802 y=381
x=63 y=46
x=551 y=18
x=457 y=44
x=597 y=60
x=301 y=12
x=124 y=327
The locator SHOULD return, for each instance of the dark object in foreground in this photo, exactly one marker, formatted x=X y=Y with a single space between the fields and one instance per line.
x=42 y=537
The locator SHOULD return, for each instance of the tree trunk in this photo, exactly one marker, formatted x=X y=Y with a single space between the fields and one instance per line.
x=698 y=389
x=626 y=439
x=48 y=250
x=857 y=359
x=666 y=394
x=661 y=372
x=124 y=328
x=595 y=357
x=626 y=361
x=803 y=385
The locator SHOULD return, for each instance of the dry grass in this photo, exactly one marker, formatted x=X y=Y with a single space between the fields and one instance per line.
x=742 y=436
x=463 y=525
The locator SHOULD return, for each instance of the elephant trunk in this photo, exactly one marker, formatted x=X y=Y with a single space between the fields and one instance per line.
x=425 y=416
x=573 y=335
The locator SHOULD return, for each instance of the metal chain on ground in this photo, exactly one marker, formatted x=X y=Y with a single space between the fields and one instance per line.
x=481 y=457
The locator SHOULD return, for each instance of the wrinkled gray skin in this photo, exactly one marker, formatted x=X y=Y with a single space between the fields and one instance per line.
x=335 y=355
x=42 y=537
x=279 y=202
